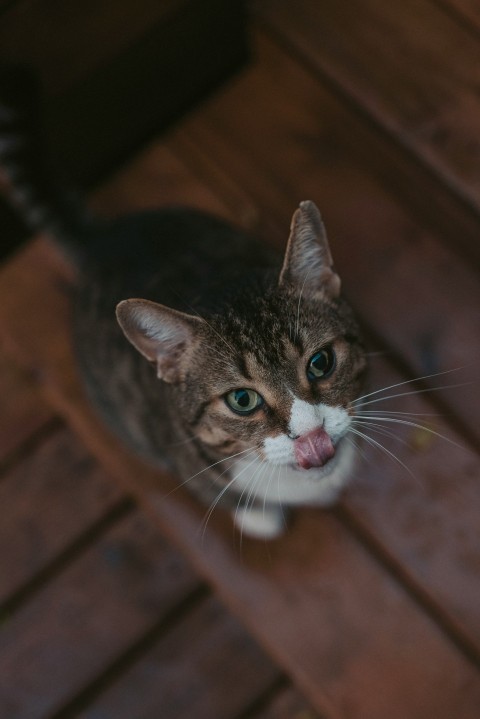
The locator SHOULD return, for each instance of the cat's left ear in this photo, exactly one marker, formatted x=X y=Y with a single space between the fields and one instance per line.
x=308 y=263
x=166 y=337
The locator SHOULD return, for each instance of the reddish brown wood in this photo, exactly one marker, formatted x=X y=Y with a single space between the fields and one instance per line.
x=22 y=411
x=75 y=627
x=467 y=11
x=205 y=667
x=408 y=64
x=157 y=177
x=349 y=635
x=48 y=500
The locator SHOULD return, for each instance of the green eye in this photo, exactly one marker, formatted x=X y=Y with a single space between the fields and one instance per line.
x=243 y=401
x=321 y=365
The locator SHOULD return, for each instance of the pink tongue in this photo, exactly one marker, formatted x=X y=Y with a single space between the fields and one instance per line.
x=313 y=449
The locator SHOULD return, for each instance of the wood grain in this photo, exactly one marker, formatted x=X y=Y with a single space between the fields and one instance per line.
x=49 y=500
x=97 y=608
x=207 y=665
x=22 y=411
x=410 y=65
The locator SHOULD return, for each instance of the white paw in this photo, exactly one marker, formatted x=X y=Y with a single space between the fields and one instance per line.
x=260 y=523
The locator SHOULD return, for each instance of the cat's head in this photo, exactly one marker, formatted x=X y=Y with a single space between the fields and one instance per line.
x=275 y=369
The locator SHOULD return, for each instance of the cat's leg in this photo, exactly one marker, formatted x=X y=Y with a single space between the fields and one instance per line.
x=260 y=522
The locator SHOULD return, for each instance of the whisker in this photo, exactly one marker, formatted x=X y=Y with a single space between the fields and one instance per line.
x=408 y=381
x=357 y=448
x=384 y=432
x=407 y=394
x=285 y=520
x=416 y=425
x=214 y=464
x=384 y=449
x=250 y=488
x=374 y=412
x=220 y=495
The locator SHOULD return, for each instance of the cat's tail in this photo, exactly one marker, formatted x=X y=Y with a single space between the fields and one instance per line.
x=45 y=202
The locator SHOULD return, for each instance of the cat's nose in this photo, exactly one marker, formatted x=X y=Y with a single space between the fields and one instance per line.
x=313 y=449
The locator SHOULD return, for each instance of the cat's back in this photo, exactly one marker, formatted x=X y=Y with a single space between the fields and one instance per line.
x=175 y=253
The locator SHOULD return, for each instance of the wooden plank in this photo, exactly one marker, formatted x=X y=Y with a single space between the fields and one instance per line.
x=343 y=629
x=71 y=631
x=466 y=11
x=22 y=411
x=420 y=501
x=333 y=618
x=206 y=666
x=428 y=101
x=404 y=283
x=156 y=177
x=48 y=499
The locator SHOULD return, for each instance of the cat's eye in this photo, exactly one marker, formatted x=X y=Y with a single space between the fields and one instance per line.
x=321 y=365
x=243 y=401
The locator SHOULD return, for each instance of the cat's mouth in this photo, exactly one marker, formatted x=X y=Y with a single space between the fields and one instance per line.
x=314 y=449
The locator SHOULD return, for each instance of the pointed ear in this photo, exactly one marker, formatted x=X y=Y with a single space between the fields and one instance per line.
x=164 y=336
x=308 y=264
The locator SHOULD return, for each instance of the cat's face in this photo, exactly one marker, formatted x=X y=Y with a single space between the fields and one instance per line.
x=272 y=376
x=269 y=378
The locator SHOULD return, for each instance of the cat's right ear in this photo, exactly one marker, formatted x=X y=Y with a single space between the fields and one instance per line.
x=164 y=336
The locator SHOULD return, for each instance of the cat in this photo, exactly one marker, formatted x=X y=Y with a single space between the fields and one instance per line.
x=204 y=351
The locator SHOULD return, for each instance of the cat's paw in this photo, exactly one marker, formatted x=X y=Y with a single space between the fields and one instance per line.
x=260 y=522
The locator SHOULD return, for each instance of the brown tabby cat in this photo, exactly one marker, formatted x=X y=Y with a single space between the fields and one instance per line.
x=239 y=371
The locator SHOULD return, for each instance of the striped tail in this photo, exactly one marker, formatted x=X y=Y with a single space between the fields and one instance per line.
x=31 y=184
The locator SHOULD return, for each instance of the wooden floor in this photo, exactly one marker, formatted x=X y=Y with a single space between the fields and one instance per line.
x=114 y=604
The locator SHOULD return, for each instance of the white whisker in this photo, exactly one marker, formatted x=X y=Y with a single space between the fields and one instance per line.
x=214 y=464
x=408 y=381
x=373 y=412
x=220 y=495
x=408 y=394
x=384 y=449
x=357 y=448
x=250 y=486
x=381 y=430
x=416 y=425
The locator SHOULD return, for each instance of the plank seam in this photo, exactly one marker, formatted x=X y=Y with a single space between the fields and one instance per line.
x=386 y=131
x=422 y=598
x=119 y=666
x=120 y=510
x=30 y=444
x=458 y=17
